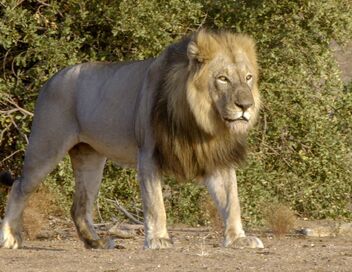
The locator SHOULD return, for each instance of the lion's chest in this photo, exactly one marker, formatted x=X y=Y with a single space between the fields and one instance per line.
x=189 y=158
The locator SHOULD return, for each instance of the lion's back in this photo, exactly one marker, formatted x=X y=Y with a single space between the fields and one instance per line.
x=98 y=101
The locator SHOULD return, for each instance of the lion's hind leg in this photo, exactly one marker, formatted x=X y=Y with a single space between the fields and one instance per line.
x=10 y=233
x=41 y=158
x=88 y=168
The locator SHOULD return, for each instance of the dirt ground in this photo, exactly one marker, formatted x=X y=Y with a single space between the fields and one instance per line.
x=194 y=250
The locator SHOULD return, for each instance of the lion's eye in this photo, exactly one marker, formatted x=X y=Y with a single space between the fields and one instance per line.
x=249 y=77
x=223 y=79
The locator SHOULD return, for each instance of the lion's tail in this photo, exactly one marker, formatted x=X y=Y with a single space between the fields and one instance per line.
x=6 y=178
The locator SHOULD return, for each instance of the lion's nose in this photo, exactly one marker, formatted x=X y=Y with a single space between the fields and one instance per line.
x=244 y=100
x=244 y=105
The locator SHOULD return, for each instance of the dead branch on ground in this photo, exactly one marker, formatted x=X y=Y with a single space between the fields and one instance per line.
x=122 y=209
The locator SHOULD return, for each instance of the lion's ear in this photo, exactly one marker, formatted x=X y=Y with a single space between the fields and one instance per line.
x=193 y=52
x=202 y=46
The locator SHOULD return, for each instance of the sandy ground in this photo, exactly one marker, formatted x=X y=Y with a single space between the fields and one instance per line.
x=194 y=250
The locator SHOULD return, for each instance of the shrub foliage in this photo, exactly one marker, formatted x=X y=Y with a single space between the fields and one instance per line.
x=301 y=148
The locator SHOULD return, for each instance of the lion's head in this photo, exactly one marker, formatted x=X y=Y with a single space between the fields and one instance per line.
x=223 y=87
x=206 y=101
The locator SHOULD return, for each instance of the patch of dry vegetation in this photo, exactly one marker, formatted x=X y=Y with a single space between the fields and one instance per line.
x=41 y=206
x=279 y=218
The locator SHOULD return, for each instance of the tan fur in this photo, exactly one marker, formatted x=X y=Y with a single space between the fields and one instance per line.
x=191 y=139
x=186 y=113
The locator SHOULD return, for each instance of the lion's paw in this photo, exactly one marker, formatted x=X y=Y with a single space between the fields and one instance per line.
x=245 y=242
x=8 y=239
x=107 y=243
x=158 y=243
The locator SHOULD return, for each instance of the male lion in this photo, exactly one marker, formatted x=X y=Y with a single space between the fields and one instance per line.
x=185 y=113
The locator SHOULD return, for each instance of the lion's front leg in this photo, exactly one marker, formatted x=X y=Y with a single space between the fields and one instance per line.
x=156 y=235
x=222 y=186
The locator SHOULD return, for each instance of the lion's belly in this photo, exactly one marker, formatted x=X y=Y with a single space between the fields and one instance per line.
x=123 y=152
x=111 y=132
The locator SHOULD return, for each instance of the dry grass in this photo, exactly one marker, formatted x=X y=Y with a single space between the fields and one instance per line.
x=215 y=220
x=279 y=218
x=41 y=205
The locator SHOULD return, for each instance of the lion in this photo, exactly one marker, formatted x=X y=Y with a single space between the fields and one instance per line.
x=185 y=113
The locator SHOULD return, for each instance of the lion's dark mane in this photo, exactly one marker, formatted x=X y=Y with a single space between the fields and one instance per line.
x=182 y=147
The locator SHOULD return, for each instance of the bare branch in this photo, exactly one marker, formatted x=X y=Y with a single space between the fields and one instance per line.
x=11 y=155
x=4 y=62
x=130 y=216
x=98 y=210
x=19 y=130
x=44 y=4
x=190 y=229
x=203 y=21
x=10 y=101
x=18 y=3
x=3 y=131
x=278 y=154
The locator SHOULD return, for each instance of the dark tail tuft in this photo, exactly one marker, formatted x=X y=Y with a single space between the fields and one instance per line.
x=6 y=179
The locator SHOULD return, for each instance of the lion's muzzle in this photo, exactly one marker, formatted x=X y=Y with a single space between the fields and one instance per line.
x=243 y=97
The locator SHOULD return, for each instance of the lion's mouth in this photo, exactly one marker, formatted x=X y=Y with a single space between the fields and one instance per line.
x=238 y=116
x=238 y=122
x=229 y=120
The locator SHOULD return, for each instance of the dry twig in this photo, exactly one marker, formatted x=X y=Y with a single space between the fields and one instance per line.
x=10 y=101
x=130 y=216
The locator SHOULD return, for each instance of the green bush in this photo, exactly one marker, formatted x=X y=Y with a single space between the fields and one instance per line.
x=301 y=148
